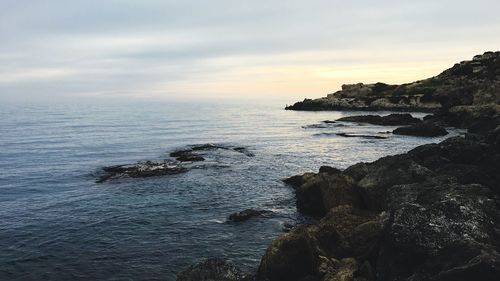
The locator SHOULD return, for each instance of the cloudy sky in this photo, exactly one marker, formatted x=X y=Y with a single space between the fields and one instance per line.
x=126 y=49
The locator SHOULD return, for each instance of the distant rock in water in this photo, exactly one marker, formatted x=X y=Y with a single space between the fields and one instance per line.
x=190 y=154
x=141 y=170
x=389 y=120
x=246 y=215
x=186 y=156
x=421 y=130
x=213 y=269
x=457 y=92
x=360 y=136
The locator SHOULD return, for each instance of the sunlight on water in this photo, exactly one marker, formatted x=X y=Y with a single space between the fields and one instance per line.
x=57 y=223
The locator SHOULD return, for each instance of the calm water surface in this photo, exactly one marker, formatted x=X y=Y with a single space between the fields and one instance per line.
x=56 y=223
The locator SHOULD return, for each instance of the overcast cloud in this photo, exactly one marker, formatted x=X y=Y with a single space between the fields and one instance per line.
x=231 y=49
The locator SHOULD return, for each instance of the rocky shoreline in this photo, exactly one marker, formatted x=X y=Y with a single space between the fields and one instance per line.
x=432 y=213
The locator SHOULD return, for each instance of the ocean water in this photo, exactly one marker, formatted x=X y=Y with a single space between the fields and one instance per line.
x=56 y=223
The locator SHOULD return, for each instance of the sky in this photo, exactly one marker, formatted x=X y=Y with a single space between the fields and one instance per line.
x=231 y=49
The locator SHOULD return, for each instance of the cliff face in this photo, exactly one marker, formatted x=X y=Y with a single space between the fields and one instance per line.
x=469 y=83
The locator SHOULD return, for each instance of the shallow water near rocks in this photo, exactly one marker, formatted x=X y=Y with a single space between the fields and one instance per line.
x=58 y=223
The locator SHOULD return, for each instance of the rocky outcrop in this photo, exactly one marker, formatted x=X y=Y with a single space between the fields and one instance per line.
x=213 y=269
x=465 y=88
x=424 y=129
x=388 y=120
x=190 y=154
x=141 y=170
x=184 y=162
x=429 y=214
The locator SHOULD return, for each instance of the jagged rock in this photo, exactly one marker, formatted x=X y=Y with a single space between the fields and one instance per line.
x=389 y=120
x=421 y=130
x=245 y=215
x=140 y=170
x=324 y=191
x=327 y=251
x=213 y=269
x=298 y=180
x=292 y=256
x=375 y=178
x=329 y=170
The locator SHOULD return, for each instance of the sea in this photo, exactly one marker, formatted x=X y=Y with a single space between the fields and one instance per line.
x=57 y=223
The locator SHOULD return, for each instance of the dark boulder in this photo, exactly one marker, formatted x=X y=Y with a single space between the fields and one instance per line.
x=329 y=170
x=389 y=120
x=324 y=191
x=421 y=130
x=298 y=180
x=330 y=250
x=213 y=269
x=292 y=256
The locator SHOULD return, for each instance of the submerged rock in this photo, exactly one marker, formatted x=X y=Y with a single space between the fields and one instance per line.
x=389 y=120
x=190 y=154
x=421 y=130
x=186 y=156
x=140 y=170
x=246 y=215
x=213 y=269
x=361 y=136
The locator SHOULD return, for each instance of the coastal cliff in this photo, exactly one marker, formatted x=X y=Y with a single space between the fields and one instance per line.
x=432 y=214
x=465 y=87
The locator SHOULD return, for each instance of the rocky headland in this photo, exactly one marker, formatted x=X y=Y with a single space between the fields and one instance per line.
x=431 y=214
x=459 y=95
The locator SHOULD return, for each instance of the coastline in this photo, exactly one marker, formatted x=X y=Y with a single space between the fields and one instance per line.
x=429 y=214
